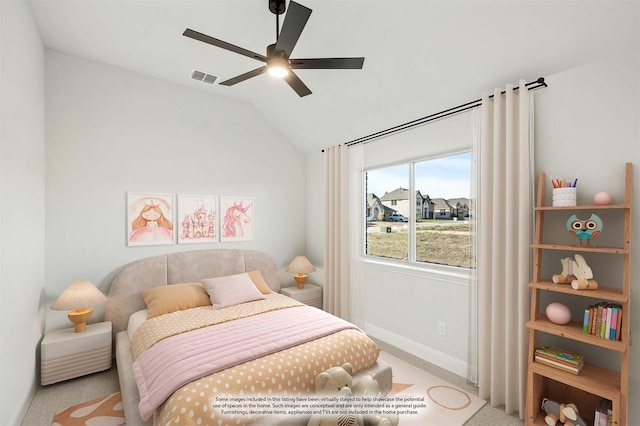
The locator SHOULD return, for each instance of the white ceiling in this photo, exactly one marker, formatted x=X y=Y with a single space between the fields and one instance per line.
x=421 y=56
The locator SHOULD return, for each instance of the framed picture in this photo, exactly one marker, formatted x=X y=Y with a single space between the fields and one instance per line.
x=197 y=219
x=236 y=219
x=150 y=219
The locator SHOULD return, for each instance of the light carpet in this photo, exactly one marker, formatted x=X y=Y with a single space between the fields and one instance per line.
x=447 y=405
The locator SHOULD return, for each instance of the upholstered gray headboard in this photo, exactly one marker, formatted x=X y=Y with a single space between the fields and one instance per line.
x=125 y=293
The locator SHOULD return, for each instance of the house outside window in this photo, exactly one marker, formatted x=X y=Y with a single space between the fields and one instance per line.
x=439 y=229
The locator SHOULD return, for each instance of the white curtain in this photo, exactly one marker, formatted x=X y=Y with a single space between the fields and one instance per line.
x=344 y=233
x=505 y=212
x=472 y=338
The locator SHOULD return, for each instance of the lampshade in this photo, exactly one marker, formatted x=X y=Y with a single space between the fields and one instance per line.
x=77 y=298
x=300 y=266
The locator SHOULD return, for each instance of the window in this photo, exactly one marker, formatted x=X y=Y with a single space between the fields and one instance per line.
x=440 y=227
x=384 y=187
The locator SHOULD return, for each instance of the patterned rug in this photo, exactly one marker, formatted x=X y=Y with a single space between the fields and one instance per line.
x=103 y=411
x=446 y=405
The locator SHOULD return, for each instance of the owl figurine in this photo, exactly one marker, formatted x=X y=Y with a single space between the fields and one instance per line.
x=585 y=230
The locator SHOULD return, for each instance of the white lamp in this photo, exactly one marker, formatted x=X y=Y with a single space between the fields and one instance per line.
x=300 y=266
x=77 y=299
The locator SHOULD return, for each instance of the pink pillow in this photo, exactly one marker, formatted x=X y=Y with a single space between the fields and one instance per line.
x=231 y=290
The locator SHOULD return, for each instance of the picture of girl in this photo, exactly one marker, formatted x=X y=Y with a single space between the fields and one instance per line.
x=148 y=222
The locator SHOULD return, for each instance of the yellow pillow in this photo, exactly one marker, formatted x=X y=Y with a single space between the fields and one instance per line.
x=174 y=297
x=260 y=283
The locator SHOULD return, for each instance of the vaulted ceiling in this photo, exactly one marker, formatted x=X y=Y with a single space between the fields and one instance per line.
x=422 y=56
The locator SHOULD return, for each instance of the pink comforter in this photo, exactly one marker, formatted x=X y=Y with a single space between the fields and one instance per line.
x=178 y=360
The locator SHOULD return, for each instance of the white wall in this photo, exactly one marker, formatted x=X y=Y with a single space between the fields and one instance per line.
x=315 y=214
x=403 y=305
x=110 y=131
x=397 y=296
x=22 y=187
x=587 y=124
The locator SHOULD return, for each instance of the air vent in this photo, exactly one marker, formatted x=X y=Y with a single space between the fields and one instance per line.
x=209 y=78
x=202 y=76
x=197 y=75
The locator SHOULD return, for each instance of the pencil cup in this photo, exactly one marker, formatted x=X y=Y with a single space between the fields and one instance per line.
x=564 y=197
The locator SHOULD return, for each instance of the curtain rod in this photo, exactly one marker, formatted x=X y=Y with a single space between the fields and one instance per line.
x=455 y=110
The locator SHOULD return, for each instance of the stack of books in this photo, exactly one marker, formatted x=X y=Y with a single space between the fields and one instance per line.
x=603 y=320
x=562 y=359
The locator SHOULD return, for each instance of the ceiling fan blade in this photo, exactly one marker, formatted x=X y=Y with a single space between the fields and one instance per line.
x=296 y=84
x=243 y=77
x=223 y=44
x=294 y=22
x=327 y=63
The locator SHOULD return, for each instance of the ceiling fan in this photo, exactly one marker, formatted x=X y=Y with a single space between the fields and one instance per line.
x=278 y=58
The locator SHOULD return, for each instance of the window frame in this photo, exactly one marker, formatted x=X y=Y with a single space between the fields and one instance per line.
x=411 y=264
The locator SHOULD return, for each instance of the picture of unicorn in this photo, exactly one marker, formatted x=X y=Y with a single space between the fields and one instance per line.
x=237 y=223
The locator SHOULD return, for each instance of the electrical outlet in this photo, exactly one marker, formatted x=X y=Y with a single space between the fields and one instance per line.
x=442 y=328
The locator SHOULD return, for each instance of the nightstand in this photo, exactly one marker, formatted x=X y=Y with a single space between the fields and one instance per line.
x=310 y=295
x=66 y=354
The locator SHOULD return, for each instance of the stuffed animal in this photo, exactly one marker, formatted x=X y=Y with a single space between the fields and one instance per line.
x=338 y=381
x=334 y=420
x=368 y=386
x=566 y=414
x=335 y=381
x=577 y=273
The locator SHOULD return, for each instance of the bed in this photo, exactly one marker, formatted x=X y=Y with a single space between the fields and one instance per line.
x=311 y=350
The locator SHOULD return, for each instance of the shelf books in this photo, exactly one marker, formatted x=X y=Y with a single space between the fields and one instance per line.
x=603 y=320
x=562 y=359
x=603 y=415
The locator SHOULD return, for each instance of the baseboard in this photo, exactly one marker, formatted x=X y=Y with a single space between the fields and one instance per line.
x=426 y=353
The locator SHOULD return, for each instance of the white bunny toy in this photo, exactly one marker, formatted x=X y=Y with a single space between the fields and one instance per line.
x=577 y=273
x=584 y=276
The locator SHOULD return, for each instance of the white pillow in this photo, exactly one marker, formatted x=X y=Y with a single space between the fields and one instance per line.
x=135 y=320
x=231 y=290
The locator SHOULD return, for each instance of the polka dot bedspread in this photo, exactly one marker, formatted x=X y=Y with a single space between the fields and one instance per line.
x=288 y=372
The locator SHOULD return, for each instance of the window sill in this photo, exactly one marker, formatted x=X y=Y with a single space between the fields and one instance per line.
x=452 y=274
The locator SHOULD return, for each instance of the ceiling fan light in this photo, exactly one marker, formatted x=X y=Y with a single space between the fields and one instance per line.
x=278 y=72
x=278 y=68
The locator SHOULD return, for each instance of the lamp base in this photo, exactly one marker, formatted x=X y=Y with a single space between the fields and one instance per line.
x=80 y=317
x=300 y=279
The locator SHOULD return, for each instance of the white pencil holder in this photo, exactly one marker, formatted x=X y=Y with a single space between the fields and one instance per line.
x=564 y=197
